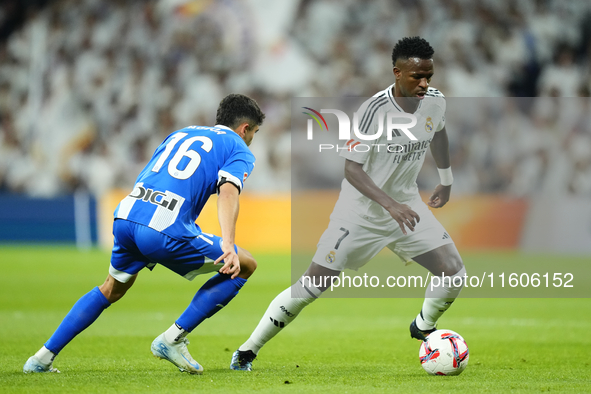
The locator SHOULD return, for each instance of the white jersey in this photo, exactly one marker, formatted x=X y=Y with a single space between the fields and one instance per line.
x=392 y=164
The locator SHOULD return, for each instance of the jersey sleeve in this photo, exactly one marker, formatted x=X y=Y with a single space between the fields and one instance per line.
x=236 y=169
x=350 y=152
x=368 y=115
x=441 y=124
x=441 y=104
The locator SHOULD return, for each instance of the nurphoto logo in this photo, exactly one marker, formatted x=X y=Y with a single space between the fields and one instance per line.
x=389 y=120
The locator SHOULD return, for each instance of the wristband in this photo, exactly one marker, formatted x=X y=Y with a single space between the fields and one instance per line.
x=445 y=176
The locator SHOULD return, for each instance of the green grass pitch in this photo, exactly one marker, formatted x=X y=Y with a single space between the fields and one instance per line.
x=336 y=345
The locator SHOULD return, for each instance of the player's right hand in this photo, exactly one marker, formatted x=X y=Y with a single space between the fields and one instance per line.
x=231 y=261
x=404 y=216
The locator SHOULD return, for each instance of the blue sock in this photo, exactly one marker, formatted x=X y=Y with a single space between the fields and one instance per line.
x=83 y=314
x=211 y=297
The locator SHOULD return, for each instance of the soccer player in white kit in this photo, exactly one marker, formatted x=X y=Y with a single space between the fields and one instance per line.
x=379 y=205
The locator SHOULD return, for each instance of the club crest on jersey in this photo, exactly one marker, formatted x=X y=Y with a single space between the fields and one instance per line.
x=429 y=125
x=151 y=196
x=331 y=257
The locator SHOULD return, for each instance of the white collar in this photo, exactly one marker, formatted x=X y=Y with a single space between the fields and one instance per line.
x=220 y=126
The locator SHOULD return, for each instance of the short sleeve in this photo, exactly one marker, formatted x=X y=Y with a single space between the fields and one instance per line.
x=354 y=152
x=236 y=169
x=439 y=100
x=369 y=117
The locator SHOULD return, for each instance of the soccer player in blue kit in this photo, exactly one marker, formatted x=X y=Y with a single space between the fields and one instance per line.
x=155 y=224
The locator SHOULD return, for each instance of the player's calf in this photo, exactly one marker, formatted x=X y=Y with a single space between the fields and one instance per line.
x=282 y=311
x=319 y=277
x=438 y=299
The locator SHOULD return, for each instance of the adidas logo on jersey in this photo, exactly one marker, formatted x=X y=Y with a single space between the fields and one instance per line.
x=445 y=236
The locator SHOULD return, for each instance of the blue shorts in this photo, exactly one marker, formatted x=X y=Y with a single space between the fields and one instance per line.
x=137 y=246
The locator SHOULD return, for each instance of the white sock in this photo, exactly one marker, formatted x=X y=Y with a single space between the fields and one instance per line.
x=439 y=299
x=175 y=333
x=45 y=355
x=282 y=311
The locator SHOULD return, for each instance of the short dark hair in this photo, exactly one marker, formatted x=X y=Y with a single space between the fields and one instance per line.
x=235 y=109
x=409 y=47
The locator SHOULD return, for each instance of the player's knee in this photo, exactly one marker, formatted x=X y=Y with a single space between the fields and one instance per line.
x=447 y=261
x=247 y=265
x=114 y=290
x=454 y=264
x=252 y=266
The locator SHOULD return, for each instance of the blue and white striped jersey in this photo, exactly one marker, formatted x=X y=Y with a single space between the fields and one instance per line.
x=184 y=171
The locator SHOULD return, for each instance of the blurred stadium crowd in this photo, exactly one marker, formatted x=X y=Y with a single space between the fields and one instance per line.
x=89 y=88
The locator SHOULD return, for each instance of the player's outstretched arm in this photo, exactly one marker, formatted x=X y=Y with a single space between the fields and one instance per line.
x=366 y=186
x=228 y=207
x=440 y=152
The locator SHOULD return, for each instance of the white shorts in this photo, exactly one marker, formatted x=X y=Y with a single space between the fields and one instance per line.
x=350 y=241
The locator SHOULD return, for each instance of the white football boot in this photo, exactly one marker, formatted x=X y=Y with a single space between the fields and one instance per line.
x=34 y=365
x=177 y=353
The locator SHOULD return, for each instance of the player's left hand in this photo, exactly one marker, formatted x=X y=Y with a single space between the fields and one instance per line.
x=440 y=196
x=231 y=261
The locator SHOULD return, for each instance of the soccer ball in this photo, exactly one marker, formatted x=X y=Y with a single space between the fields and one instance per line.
x=444 y=353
